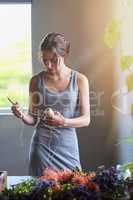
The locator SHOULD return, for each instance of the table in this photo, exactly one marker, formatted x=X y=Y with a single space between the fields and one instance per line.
x=13 y=180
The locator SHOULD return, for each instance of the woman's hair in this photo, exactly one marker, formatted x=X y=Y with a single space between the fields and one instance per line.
x=55 y=42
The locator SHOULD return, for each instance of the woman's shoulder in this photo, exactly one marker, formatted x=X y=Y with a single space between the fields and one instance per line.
x=81 y=77
x=34 y=79
x=82 y=80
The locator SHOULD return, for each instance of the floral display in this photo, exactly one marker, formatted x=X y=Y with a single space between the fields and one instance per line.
x=113 y=183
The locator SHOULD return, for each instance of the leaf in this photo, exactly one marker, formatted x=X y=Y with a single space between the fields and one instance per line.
x=132 y=109
x=129 y=166
x=128 y=140
x=129 y=2
x=125 y=62
x=129 y=82
x=112 y=33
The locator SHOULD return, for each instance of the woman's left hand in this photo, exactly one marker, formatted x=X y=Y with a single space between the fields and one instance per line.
x=57 y=120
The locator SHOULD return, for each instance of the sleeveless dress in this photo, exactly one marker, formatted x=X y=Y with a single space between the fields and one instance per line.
x=54 y=146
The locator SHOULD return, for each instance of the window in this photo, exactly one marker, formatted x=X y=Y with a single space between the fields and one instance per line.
x=127 y=28
x=15 y=53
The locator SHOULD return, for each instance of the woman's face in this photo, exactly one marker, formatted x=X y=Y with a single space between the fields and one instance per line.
x=51 y=61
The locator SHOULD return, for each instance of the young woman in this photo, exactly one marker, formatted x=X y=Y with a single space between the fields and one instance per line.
x=64 y=90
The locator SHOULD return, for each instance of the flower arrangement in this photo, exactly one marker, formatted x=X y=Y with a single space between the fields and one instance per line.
x=104 y=184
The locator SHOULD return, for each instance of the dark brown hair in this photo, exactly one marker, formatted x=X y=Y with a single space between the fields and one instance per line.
x=55 y=42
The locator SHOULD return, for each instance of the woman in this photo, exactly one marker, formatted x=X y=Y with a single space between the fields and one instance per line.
x=66 y=91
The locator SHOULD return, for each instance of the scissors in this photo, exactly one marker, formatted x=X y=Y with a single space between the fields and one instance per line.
x=13 y=103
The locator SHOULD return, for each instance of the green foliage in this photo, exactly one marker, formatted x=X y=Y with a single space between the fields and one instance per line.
x=112 y=33
x=106 y=184
x=129 y=82
x=129 y=165
x=129 y=2
x=125 y=62
x=15 y=73
x=128 y=140
x=19 y=190
x=132 y=109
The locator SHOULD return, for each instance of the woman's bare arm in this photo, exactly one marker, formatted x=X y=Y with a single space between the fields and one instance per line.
x=84 y=104
x=29 y=118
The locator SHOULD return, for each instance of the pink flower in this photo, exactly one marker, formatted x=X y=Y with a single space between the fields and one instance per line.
x=50 y=174
x=56 y=187
x=80 y=179
x=91 y=175
x=64 y=175
x=93 y=186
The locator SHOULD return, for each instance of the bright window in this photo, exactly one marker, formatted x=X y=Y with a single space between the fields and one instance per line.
x=15 y=53
x=127 y=27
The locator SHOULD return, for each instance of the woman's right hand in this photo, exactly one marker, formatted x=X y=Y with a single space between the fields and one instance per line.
x=16 y=110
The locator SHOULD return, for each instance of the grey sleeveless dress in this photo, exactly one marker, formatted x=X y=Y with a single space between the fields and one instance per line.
x=53 y=146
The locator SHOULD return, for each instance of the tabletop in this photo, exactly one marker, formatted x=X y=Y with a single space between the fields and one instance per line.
x=13 y=180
